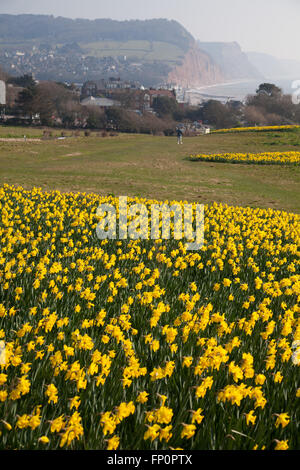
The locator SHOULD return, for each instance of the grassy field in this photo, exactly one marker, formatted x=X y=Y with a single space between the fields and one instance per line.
x=144 y=50
x=153 y=167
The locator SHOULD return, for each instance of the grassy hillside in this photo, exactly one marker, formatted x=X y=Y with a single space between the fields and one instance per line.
x=154 y=167
x=141 y=50
x=65 y=30
x=80 y=50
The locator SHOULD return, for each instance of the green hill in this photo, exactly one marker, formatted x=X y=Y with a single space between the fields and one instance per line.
x=34 y=28
x=80 y=50
x=138 y=49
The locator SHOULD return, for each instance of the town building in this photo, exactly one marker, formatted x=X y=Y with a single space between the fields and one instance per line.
x=100 y=102
x=116 y=92
x=2 y=93
x=102 y=86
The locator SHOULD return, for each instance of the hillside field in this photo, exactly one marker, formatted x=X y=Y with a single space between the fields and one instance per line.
x=145 y=50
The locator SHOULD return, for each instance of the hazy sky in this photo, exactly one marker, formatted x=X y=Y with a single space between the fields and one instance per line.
x=270 y=26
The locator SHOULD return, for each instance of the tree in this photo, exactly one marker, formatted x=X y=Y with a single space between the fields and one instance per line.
x=3 y=75
x=59 y=100
x=95 y=117
x=270 y=101
x=45 y=107
x=130 y=99
x=165 y=106
x=50 y=100
x=24 y=81
x=27 y=101
x=269 y=89
x=122 y=120
x=254 y=116
x=218 y=114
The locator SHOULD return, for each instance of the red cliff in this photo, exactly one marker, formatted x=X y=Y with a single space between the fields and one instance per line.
x=196 y=69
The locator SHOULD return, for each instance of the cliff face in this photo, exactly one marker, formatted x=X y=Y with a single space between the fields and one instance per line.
x=197 y=69
x=233 y=62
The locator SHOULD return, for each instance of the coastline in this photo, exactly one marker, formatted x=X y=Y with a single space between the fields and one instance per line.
x=235 y=89
x=221 y=84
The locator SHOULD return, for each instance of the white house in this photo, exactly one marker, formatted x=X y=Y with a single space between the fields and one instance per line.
x=100 y=102
x=2 y=93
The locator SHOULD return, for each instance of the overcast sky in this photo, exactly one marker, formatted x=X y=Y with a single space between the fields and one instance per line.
x=270 y=26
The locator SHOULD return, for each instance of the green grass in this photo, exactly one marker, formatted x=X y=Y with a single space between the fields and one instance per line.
x=153 y=167
x=17 y=132
x=142 y=50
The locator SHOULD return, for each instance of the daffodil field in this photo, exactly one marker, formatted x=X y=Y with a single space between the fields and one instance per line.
x=271 y=158
x=141 y=344
x=284 y=128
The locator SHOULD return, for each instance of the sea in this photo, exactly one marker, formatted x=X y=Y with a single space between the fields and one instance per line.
x=239 y=89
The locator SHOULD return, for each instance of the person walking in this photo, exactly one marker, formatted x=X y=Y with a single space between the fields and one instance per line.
x=179 y=135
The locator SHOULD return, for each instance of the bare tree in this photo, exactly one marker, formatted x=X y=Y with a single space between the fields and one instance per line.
x=254 y=116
